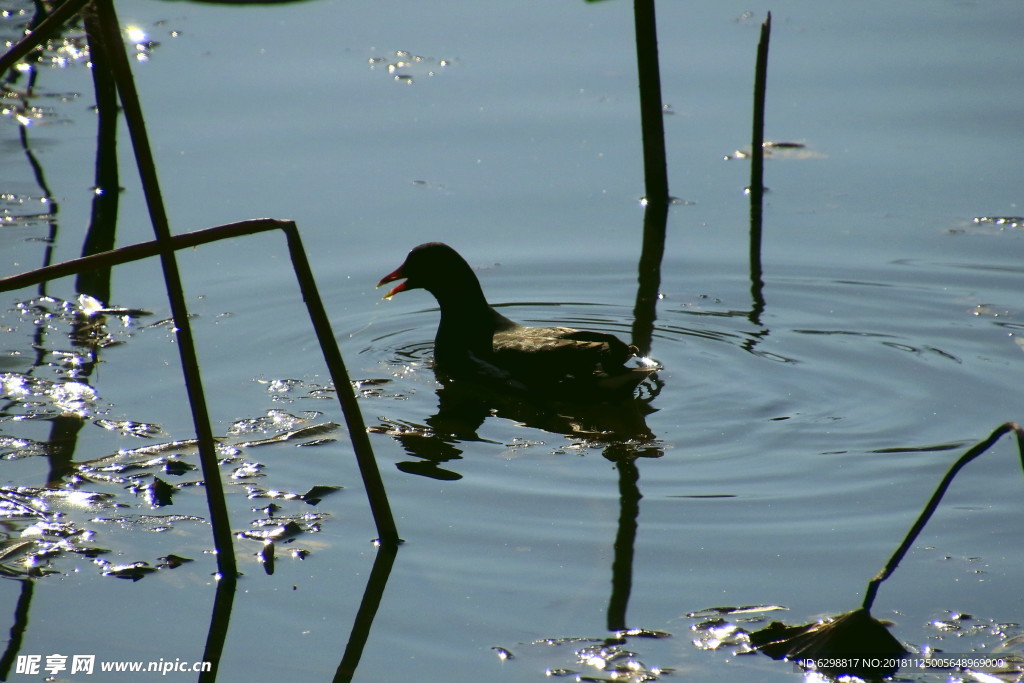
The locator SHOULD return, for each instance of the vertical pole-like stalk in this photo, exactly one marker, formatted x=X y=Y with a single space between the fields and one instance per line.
x=379 y=506
x=102 y=230
x=651 y=116
x=757 y=167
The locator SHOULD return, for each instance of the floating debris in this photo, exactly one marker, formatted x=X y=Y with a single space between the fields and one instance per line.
x=266 y=556
x=853 y=643
x=722 y=611
x=151 y=523
x=21 y=502
x=272 y=530
x=157 y=449
x=91 y=306
x=780 y=150
x=12 y=548
x=172 y=561
x=379 y=387
x=502 y=653
x=159 y=493
x=317 y=493
x=17 y=557
x=176 y=467
x=718 y=633
x=282 y=386
x=44 y=524
x=642 y=633
x=130 y=427
x=46 y=398
x=619 y=663
x=294 y=435
x=1000 y=221
x=14 y=448
x=988 y=225
x=312 y=497
x=247 y=470
x=274 y=420
x=132 y=571
x=405 y=67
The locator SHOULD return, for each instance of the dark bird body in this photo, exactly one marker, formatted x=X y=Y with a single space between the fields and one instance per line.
x=475 y=341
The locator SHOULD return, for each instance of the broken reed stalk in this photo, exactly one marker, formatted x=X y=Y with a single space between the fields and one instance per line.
x=757 y=134
x=369 y=472
x=652 y=122
x=933 y=504
x=109 y=29
x=651 y=115
x=757 y=166
x=387 y=533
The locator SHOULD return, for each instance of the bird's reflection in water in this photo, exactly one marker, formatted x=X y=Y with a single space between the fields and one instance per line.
x=463 y=407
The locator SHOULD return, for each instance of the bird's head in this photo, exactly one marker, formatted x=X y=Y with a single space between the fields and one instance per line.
x=433 y=266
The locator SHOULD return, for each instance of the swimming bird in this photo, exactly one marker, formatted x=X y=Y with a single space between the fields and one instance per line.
x=475 y=341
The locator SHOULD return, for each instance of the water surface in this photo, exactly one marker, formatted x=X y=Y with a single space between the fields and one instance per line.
x=793 y=441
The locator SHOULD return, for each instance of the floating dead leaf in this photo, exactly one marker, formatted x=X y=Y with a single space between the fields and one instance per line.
x=294 y=435
x=159 y=493
x=266 y=556
x=172 y=561
x=133 y=571
x=317 y=493
x=852 y=638
x=723 y=611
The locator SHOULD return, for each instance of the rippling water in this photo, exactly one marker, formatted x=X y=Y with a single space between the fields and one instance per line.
x=791 y=437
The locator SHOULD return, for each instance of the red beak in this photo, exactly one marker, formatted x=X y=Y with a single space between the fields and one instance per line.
x=397 y=275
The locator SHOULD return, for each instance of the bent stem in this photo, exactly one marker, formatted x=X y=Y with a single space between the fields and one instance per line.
x=369 y=471
x=929 y=509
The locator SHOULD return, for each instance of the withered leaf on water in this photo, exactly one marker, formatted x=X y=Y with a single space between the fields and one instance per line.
x=133 y=571
x=317 y=493
x=159 y=493
x=172 y=561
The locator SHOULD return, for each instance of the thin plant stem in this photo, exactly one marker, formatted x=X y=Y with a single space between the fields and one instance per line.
x=929 y=509
x=387 y=533
x=757 y=133
x=651 y=115
x=649 y=275
x=757 y=170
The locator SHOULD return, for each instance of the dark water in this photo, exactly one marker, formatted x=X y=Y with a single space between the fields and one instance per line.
x=795 y=438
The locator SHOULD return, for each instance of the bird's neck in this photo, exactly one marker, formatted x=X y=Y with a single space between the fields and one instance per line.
x=467 y=324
